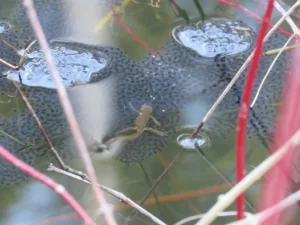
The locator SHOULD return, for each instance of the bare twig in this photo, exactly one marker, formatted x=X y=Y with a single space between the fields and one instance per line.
x=60 y=162
x=249 y=13
x=288 y=18
x=112 y=192
x=238 y=74
x=131 y=34
x=262 y=216
x=269 y=70
x=25 y=52
x=8 y=45
x=63 y=96
x=274 y=51
x=197 y=217
x=159 y=179
x=280 y=50
x=59 y=189
x=36 y=119
x=17 y=51
x=8 y=64
x=103 y=21
x=284 y=48
x=226 y=199
x=148 y=180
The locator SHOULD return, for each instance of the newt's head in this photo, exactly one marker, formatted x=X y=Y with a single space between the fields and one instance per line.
x=146 y=108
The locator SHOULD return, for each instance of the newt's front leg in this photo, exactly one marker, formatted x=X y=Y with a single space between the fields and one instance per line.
x=159 y=133
x=138 y=112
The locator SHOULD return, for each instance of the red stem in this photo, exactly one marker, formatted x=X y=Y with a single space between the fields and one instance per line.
x=259 y=5
x=251 y=14
x=59 y=189
x=132 y=35
x=244 y=108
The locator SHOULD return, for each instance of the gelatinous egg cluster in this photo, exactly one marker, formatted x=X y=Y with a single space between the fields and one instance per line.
x=215 y=36
x=75 y=65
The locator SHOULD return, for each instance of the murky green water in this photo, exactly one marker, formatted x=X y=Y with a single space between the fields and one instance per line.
x=32 y=203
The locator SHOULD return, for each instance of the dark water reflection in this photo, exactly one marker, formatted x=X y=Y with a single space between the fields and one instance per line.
x=32 y=203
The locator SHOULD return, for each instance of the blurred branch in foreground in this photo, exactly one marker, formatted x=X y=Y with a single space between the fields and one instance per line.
x=63 y=96
x=59 y=189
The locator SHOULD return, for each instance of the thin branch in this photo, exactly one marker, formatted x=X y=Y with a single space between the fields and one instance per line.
x=108 y=17
x=130 y=33
x=60 y=162
x=269 y=70
x=59 y=189
x=8 y=64
x=39 y=124
x=25 y=52
x=249 y=13
x=149 y=182
x=159 y=179
x=9 y=45
x=262 y=216
x=274 y=51
x=226 y=199
x=284 y=48
x=238 y=74
x=112 y=192
x=197 y=217
x=63 y=96
x=288 y=18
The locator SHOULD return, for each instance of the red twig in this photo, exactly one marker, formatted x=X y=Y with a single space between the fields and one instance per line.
x=259 y=5
x=244 y=108
x=59 y=189
x=63 y=96
x=276 y=187
x=132 y=35
x=251 y=14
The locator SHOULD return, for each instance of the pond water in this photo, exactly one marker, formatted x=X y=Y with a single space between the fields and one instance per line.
x=109 y=75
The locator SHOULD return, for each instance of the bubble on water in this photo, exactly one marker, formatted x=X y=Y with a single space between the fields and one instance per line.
x=185 y=141
x=4 y=26
x=220 y=37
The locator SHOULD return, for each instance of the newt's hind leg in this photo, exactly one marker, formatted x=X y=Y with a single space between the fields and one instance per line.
x=129 y=128
x=122 y=138
x=160 y=133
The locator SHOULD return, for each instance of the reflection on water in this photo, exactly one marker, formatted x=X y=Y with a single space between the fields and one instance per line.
x=178 y=84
